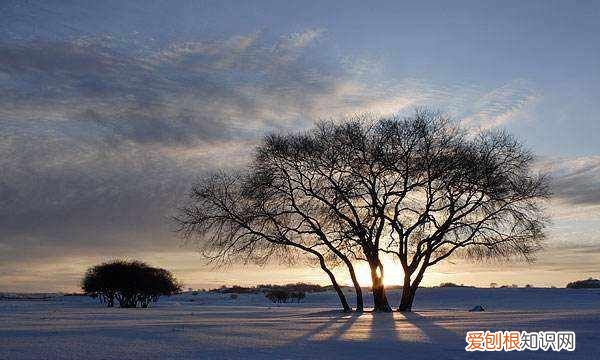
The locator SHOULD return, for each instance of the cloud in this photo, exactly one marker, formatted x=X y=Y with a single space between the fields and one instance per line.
x=576 y=181
x=574 y=207
x=501 y=105
x=102 y=135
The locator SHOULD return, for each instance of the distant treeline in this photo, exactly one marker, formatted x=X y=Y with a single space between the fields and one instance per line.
x=453 y=285
x=24 y=296
x=302 y=287
x=313 y=288
x=584 y=284
x=263 y=288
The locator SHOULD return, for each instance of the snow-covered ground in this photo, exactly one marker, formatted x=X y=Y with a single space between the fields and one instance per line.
x=215 y=326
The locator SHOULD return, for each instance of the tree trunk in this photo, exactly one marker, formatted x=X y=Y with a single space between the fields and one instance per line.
x=357 y=289
x=408 y=295
x=110 y=299
x=409 y=290
x=344 y=258
x=335 y=284
x=380 y=302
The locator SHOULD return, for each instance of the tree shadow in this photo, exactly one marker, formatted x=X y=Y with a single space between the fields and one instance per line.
x=347 y=324
x=434 y=332
x=373 y=335
x=383 y=327
x=356 y=326
x=389 y=329
x=320 y=329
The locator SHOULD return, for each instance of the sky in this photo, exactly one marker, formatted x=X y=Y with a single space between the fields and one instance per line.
x=110 y=110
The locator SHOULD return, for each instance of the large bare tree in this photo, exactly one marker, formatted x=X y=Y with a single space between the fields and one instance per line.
x=233 y=219
x=417 y=188
x=444 y=192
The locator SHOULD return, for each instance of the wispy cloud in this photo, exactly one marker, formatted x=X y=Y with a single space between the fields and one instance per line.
x=102 y=135
x=575 y=180
x=575 y=205
x=501 y=105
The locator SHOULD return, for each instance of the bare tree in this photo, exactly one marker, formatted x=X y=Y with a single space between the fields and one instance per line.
x=417 y=188
x=323 y=177
x=234 y=221
x=450 y=193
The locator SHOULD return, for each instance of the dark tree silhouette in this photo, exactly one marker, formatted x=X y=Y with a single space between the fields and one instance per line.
x=584 y=284
x=131 y=283
x=417 y=188
x=446 y=192
x=236 y=221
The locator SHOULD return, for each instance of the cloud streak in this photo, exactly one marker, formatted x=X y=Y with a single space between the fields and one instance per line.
x=102 y=135
x=576 y=181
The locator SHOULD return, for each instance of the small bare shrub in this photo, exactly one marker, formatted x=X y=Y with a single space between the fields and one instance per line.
x=278 y=296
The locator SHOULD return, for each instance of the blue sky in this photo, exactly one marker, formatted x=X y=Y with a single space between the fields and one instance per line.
x=109 y=111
